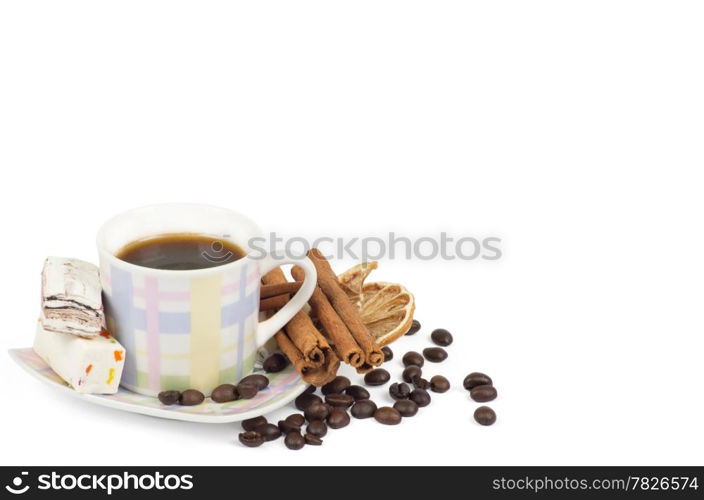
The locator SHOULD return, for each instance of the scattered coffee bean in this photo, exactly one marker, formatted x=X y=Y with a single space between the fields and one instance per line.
x=336 y=385
x=484 y=415
x=388 y=353
x=483 y=393
x=338 y=418
x=317 y=428
x=387 y=416
x=285 y=426
x=378 y=376
x=415 y=326
x=251 y=439
x=441 y=337
x=191 y=397
x=420 y=397
x=357 y=392
x=252 y=423
x=275 y=363
x=305 y=400
x=296 y=419
x=413 y=358
x=247 y=390
x=169 y=397
x=399 y=391
x=406 y=407
x=438 y=383
x=313 y=440
x=412 y=372
x=269 y=432
x=421 y=383
x=260 y=381
x=310 y=389
x=316 y=411
x=435 y=354
x=364 y=408
x=476 y=378
x=224 y=393
x=339 y=400
x=294 y=441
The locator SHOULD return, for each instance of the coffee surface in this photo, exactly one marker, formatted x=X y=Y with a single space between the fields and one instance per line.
x=180 y=252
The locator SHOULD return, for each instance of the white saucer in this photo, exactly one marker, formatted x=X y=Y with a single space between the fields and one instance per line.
x=283 y=387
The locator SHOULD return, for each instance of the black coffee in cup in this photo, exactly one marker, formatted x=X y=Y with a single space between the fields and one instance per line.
x=181 y=252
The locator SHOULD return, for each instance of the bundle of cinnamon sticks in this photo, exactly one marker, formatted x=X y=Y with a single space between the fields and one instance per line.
x=316 y=353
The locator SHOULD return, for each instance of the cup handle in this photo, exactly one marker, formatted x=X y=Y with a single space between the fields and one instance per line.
x=270 y=326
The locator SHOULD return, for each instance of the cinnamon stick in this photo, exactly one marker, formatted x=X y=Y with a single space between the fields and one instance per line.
x=300 y=328
x=317 y=376
x=344 y=343
x=327 y=280
x=305 y=346
x=267 y=291
x=273 y=303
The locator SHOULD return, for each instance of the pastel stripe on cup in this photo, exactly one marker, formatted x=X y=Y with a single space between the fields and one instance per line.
x=205 y=332
x=151 y=295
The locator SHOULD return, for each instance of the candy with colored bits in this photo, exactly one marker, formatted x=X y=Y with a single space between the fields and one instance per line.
x=89 y=365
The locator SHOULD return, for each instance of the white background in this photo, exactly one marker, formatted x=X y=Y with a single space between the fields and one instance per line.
x=572 y=130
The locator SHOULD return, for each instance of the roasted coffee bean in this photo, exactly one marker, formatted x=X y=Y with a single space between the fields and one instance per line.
x=294 y=441
x=224 y=393
x=415 y=326
x=406 y=407
x=364 y=408
x=336 y=385
x=316 y=411
x=247 y=390
x=483 y=393
x=388 y=353
x=252 y=423
x=387 y=416
x=286 y=426
x=275 y=363
x=296 y=419
x=420 y=397
x=317 y=428
x=313 y=440
x=413 y=358
x=411 y=372
x=441 y=337
x=310 y=389
x=378 y=376
x=357 y=392
x=169 y=397
x=435 y=354
x=269 y=432
x=439 y=384
x=191 y=397
x=251 y=439
x=338 y=418
x=399 y=391
x=260 y=381
x=476 y=378
x=305 y=400
x=339 y=400
x=484 y=415
x=421 y=383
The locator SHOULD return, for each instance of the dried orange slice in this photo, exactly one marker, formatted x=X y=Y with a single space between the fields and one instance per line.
x=352 y=280
x=386 y=308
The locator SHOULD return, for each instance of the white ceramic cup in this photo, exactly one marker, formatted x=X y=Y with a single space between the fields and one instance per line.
x=191 y=329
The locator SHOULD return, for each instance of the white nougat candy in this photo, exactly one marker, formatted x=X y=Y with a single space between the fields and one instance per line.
x=89 y=365
x=71 y=297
